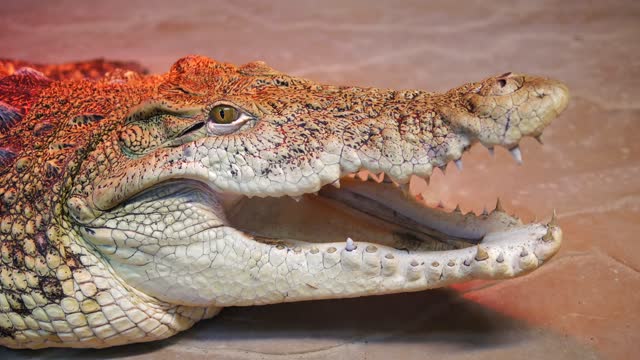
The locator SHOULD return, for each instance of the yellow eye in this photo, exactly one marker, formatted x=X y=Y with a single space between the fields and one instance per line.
x=224 y=114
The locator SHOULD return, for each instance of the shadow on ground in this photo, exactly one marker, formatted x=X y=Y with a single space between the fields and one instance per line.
x=439 y=317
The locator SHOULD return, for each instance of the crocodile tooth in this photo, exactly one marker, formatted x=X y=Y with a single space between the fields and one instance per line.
x=459 y=164
x=419 y=197
x=499 y=206
x=443 y=168
x=548 y=236
x=350 y=246
x=386 y=179
x=336 y=184
x=481 y=254
x=484 y=211
x=440 y=204
x=297 y=198
x=554 y=220
x=457 y=209
x=539 y=139
x=405 y=189
x=517 y=155
x=492 y=151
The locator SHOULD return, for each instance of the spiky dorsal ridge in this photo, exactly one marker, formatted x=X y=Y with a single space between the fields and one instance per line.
x=90 y=69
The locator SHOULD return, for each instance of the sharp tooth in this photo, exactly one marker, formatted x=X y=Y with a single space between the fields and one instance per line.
x=297 y=198
x=350 y=246
x=499 y=206
x=440 y=204
x=491 y=151
x=539 y=139
x=387 y=179
x=428 y=180
x=459 y=164
x=363 y=175
x=443 y=168
x=405 y=189
x=481 y=254
x=336 y=184
x=419 y=197
x=554 y=221
x=548 y=236
x=457 y=209
x=517 y=155
x=485 y=212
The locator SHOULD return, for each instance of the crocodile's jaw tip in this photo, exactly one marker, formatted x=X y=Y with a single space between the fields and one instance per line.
x=501 y=110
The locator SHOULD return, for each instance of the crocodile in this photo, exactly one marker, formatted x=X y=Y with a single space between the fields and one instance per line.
x=133 y=205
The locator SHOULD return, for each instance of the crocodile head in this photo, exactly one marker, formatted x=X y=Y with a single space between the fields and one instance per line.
x=219 y=185
x=234 y=186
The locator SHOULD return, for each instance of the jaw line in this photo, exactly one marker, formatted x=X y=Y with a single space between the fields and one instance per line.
x=288 y=222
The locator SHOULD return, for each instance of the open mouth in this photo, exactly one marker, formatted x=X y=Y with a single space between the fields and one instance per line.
x=371 y=215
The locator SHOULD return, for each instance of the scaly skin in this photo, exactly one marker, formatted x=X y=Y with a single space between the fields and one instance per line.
x=125 y=210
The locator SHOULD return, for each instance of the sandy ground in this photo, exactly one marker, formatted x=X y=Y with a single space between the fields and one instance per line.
x=584 y=304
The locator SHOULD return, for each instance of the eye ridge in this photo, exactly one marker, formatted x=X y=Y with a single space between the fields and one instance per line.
x=224 y=114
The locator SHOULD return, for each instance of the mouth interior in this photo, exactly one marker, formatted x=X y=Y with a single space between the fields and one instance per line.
x=364 y=211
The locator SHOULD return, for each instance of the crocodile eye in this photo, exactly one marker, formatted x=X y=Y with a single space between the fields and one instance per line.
x=224 y=114
x=225 y=119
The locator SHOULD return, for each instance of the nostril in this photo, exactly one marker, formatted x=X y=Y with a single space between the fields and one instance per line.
x=502 y=82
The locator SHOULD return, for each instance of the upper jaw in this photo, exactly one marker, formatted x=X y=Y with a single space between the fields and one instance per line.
x=432 y=131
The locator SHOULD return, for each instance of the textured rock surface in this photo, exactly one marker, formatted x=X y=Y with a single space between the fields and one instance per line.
x=581 y=305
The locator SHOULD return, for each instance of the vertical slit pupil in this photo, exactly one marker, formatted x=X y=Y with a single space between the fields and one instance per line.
x=223 y=114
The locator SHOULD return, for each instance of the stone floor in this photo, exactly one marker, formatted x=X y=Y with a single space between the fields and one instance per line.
x=584 y=304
